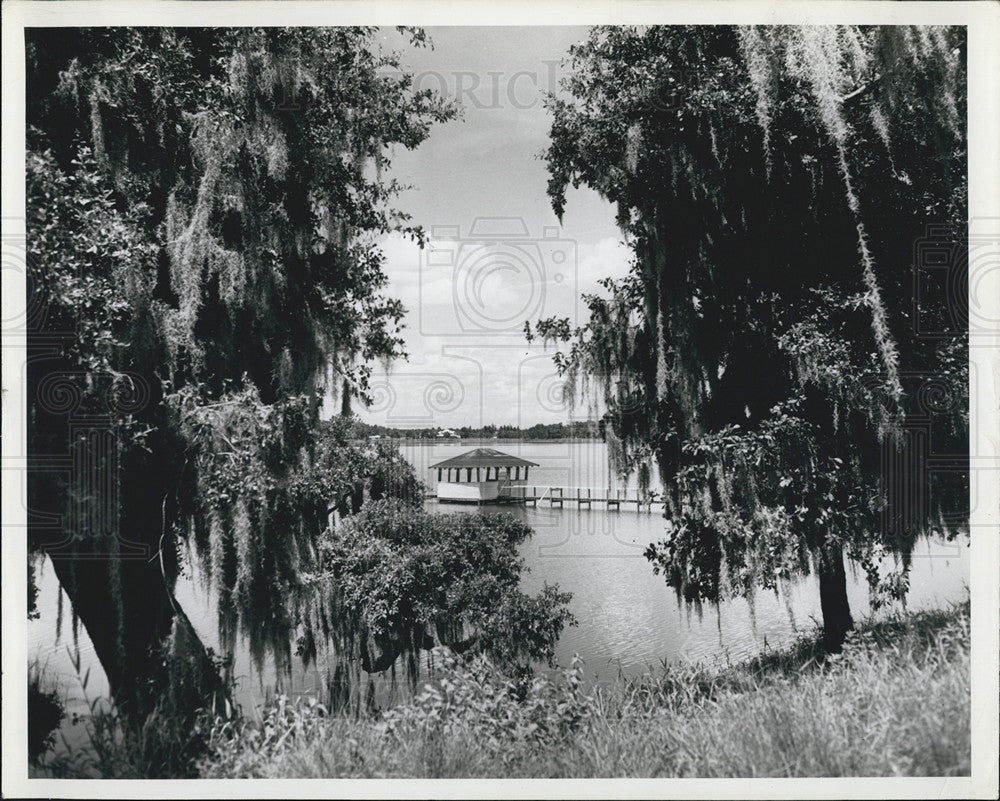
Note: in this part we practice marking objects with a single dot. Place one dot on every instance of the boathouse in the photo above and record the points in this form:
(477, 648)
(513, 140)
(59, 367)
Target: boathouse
(479, 476)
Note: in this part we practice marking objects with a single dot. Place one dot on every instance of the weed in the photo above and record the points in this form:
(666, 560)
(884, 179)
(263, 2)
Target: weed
(896, 701)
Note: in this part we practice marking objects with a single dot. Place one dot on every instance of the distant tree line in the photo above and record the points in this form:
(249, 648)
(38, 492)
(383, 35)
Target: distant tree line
(577, 429)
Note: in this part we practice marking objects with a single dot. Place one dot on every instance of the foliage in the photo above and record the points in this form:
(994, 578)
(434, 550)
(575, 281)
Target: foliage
(895, 702)
(203, 206)
(45, 714)
(476, 698)
(775, 186)
(89, 261)
(246, 453)
(393, 580)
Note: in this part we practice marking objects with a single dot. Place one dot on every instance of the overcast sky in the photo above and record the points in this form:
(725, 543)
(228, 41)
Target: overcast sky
(497, 254)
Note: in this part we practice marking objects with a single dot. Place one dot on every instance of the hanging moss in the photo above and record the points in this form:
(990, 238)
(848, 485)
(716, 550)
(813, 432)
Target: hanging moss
(203, 215)
(772, 225)
(838, 63)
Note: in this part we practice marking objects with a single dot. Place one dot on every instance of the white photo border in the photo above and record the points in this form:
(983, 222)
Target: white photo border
(983, 23)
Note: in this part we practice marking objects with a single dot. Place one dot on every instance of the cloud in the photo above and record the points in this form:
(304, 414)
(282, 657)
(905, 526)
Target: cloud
(469, 362)
(469, 292)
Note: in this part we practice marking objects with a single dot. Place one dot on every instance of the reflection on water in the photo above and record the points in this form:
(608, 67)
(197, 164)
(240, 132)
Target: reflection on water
(628, 618)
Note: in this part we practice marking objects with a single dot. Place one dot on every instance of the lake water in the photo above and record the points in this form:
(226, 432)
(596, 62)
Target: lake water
(629, 619)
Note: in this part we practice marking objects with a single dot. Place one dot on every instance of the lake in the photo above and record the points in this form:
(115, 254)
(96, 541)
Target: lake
(629, 620)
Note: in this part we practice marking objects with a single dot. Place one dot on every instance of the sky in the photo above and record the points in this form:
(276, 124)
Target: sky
(496, 253)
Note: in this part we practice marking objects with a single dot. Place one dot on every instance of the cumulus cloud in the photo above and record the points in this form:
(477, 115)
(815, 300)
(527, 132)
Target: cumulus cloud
(467, 299)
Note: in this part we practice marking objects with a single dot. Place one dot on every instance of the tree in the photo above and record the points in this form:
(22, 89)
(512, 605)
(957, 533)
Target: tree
(202, 209)
(394, 580)
(774, 186)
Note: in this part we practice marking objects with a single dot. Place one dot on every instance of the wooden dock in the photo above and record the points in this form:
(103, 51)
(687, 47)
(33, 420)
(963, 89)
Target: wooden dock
(581, 496)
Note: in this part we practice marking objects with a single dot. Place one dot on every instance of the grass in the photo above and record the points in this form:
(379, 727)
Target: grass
(163, 745)
(45, 713)
(895, 702)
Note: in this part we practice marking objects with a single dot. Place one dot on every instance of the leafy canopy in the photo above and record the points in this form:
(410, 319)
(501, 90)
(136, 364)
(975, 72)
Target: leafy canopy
(774, 185)
(395, 579)
(203, 211)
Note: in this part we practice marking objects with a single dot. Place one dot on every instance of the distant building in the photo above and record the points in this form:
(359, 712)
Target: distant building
(447, 433)
(479, 476)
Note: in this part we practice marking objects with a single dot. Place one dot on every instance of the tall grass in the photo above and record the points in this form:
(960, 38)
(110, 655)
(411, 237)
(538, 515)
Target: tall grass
(896, 701)
(46, 711)
(164, 745)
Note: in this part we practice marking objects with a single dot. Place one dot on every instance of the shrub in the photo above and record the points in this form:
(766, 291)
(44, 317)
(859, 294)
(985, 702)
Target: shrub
(393, 580)
(894, 702)
(45, 714)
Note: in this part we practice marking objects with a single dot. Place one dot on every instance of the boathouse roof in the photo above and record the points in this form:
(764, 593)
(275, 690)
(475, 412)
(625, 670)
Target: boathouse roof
(484, 457)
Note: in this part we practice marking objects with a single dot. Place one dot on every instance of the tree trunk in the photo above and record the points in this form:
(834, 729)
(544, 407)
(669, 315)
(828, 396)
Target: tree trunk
(833, 600)
(144, 641)
(100, 521)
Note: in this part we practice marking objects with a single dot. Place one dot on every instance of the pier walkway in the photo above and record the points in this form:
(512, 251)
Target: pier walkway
(581, 496)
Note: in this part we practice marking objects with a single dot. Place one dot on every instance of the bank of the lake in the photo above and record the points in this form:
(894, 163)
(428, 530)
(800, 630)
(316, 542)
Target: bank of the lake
(629, 620)
(896, 702)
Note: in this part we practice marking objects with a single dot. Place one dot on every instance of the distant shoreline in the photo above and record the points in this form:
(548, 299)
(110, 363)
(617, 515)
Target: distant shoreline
(480, 441)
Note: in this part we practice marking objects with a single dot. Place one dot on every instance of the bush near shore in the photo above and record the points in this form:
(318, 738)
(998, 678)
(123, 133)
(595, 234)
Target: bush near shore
(894, 702)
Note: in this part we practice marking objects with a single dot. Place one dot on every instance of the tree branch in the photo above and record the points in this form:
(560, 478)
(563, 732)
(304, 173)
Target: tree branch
(861, 91)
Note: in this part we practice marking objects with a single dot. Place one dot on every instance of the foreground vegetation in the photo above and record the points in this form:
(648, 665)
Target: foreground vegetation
(894, 702)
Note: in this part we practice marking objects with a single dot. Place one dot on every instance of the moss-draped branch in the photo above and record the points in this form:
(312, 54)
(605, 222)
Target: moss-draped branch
(774, 184)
